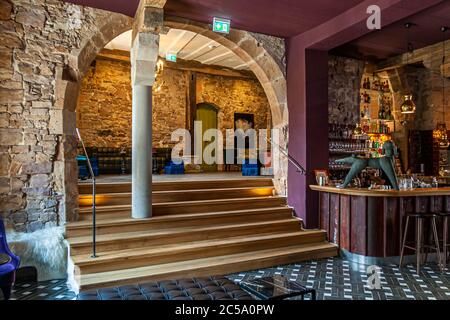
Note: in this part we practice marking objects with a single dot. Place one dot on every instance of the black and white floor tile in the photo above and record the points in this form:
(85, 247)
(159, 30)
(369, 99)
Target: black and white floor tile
(339, 279)
(333, 278)
(45, 290)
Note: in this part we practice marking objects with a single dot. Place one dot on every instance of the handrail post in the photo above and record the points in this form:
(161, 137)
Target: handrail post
(91, 172)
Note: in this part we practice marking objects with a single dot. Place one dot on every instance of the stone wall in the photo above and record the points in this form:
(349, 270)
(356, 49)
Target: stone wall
(424, 81)
(37, 38)
(428, 95)
(46, 47)
(233, 95)
(104, 106)
(344, 82)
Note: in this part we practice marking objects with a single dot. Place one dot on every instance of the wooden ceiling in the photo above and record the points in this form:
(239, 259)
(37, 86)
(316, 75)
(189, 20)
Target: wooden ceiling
(188, 46)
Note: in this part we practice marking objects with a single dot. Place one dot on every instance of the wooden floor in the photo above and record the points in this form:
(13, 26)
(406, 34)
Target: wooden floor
(198, 228)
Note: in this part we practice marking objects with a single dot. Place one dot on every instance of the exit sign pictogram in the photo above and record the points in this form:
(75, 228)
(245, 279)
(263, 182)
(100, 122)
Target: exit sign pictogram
(171, 56)
(221, 25)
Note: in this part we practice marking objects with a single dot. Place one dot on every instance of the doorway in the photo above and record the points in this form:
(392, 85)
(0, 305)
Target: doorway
(207, 114)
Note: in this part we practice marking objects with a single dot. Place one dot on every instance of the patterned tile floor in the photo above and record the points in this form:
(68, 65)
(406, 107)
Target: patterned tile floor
(334, 279)
(339, 279)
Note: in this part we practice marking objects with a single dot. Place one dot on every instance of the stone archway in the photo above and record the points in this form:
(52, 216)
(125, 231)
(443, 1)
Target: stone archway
(269, 73)
(266, 69)
(68, 84)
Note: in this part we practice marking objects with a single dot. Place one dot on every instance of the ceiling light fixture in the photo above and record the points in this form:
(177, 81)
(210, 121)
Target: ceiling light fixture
(408, 106)
(441, 128)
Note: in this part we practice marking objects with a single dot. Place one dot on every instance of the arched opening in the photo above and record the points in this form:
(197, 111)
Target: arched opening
(267, 72)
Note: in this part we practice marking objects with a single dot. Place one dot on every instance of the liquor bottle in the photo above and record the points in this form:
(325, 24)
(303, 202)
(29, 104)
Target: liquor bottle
(381, 112)
(389, 114)
(366, 112)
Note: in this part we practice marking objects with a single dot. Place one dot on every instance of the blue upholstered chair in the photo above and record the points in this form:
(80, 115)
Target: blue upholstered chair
(8, 270)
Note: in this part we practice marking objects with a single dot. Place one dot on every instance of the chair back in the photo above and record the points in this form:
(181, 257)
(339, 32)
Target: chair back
(4, 245)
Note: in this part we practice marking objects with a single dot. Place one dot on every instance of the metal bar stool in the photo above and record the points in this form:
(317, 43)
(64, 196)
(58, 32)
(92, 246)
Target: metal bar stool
(420, 217)
(445, 244)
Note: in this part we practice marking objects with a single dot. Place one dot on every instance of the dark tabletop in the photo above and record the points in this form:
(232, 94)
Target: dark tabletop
(274, 287)
(4, 258)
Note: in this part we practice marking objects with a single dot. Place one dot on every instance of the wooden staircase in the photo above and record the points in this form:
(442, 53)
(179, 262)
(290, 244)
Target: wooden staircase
(198, 228)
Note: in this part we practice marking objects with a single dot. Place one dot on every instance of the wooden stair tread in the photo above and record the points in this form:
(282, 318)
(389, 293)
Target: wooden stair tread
(189, 267)
(141, 252)
(184, 203)
(173, 231)
(174, 217)
(181, 191)
(85, 188)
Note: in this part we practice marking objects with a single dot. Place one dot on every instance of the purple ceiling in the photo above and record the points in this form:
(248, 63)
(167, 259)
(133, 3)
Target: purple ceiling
(391, 40)
(283, 18)
(286, 18)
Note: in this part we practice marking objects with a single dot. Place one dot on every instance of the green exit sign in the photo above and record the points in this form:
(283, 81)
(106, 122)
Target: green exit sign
(221, 25)
(171, 56)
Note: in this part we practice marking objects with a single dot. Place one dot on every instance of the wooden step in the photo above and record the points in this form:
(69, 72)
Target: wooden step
(101, 188)
(133, 258)
(220, 265)
(152, 238)
(109, 199)
(105, 212)
(200, 206)
(114, 225)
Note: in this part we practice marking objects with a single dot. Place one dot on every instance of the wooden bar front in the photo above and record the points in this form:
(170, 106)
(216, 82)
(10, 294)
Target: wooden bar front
(370, 222)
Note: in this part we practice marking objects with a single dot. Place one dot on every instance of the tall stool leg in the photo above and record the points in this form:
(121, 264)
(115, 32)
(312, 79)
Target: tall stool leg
(445, 235)
(403, 242)
(436, 240)
(418, 243)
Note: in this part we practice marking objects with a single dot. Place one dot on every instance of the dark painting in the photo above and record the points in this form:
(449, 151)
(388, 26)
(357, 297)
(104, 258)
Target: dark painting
(244, 121)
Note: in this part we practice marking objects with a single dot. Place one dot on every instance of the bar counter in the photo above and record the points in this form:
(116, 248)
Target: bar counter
(370, 223)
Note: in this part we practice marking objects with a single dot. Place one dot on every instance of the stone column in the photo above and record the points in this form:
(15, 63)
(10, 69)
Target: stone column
(144, 55)
(142, 152)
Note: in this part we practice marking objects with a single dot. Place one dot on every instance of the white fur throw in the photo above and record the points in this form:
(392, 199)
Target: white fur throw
(44, 249)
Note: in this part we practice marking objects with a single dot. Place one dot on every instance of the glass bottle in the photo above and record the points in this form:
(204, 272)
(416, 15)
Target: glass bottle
(434, 183)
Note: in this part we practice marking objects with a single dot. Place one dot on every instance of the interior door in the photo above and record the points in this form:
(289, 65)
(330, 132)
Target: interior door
(207, 114)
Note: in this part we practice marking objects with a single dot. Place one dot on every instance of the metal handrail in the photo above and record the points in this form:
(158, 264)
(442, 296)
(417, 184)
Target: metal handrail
(291, 159)
(91, 172)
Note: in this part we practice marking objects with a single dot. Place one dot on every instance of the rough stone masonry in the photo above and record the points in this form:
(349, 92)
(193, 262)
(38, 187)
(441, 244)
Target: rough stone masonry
(46, 47)
(37, 38)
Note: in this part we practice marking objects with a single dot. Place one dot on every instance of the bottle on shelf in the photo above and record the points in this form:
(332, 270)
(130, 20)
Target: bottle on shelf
(381, 112)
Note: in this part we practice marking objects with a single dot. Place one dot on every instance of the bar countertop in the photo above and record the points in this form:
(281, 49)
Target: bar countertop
(421, 192)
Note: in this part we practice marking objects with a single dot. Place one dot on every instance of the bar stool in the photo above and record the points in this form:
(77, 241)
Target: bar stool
(445, 216)
(420, 217)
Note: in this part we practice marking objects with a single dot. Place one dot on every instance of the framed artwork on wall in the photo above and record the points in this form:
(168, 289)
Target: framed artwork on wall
(244, 121)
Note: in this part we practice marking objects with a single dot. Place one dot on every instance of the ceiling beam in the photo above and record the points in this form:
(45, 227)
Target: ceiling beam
(185, 65)
(430, 56)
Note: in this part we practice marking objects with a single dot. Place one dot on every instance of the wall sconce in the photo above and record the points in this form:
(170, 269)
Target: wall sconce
(159, 67)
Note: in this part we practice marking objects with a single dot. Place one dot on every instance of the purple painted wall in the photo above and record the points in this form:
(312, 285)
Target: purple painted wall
(307, 80)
